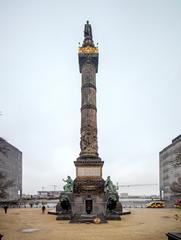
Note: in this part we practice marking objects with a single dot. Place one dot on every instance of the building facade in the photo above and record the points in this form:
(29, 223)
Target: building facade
(170, 170)
(11, 168)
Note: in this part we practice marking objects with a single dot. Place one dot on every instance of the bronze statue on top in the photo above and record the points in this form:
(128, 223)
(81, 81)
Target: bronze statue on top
(88, 31)
(88, 39)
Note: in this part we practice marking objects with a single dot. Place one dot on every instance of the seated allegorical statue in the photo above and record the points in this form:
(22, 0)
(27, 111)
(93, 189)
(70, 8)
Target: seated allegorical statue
(109, 186)
(68, 187)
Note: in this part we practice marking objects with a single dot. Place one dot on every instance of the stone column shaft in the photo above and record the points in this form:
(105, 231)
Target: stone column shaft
(88, 141)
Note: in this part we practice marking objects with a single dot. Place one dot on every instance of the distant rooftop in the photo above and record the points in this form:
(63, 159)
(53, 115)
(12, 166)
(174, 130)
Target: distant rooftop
(174, 141)
(177, 138)
(2, 140)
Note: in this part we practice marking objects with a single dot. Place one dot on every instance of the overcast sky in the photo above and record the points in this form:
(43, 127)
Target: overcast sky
(138, 86)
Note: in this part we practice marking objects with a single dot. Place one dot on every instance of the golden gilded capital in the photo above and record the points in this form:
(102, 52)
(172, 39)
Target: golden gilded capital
(88, 50)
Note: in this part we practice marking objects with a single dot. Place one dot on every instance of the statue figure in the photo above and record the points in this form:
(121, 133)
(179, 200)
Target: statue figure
(111, 196)
(88, 31)
(68, 187)
(109, 186)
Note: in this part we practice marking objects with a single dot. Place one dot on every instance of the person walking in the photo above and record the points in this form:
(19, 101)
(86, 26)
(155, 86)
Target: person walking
(5, 209)
(43, 209)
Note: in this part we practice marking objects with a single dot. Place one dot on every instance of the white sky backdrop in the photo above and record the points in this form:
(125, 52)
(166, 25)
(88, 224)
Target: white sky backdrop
(138, 83)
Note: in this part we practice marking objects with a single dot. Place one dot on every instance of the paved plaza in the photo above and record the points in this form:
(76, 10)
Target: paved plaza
(22, 224)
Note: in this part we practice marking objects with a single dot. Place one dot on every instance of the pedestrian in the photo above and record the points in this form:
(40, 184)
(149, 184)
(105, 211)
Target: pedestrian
(43, 209)
(5, 209)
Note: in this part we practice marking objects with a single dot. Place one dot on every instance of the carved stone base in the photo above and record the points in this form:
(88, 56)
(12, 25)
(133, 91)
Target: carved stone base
(88, 159)
(91, 204)
(88, 186)
(88, 206)
(88, 167)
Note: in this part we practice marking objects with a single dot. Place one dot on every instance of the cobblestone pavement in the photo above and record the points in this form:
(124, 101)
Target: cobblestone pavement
(147, 224)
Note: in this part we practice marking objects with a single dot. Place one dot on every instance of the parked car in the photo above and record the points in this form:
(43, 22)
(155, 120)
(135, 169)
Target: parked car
(155, 204)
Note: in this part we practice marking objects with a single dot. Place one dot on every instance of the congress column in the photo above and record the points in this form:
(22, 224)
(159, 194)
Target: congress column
(88, 189)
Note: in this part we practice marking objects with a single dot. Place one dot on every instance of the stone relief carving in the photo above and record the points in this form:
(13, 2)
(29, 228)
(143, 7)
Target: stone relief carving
(88, 141)
(89, 185)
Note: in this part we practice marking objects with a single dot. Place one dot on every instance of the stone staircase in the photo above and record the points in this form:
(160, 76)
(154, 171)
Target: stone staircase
(87, 218)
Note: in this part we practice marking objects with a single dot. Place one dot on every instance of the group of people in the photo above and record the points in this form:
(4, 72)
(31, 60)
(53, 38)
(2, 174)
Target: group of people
(6, 209)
